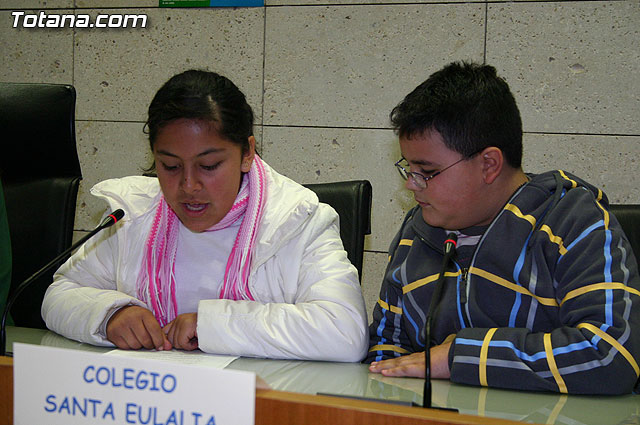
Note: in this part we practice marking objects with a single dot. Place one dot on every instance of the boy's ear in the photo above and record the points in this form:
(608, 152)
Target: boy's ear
(492, 163)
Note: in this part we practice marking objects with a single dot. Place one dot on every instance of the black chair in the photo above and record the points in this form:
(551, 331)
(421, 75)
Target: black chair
(40, 173)
(352, 202)
(629, 218)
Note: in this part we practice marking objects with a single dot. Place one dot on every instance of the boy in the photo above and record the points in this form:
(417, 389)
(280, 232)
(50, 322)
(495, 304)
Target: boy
(542, 293)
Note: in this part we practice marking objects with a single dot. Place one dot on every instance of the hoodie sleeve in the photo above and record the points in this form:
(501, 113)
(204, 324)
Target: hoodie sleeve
(315, 309)
(387, 336)
(84, 292)
(573, 314)
(99, 278)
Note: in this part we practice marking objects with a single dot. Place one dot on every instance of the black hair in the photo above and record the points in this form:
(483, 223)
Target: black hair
(469, 106)
(202, 95)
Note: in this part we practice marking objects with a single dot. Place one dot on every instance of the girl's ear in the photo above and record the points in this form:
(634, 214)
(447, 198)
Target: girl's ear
(247, 157)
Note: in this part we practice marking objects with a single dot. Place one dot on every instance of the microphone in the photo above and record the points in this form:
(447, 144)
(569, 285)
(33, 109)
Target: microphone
(108, 221)
(449, 249)
(450, 244)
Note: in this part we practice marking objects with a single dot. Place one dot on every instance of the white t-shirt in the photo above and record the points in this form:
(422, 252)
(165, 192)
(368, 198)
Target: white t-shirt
(201, 260)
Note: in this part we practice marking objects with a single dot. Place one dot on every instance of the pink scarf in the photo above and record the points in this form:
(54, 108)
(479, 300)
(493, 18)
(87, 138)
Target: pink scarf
(156, 284)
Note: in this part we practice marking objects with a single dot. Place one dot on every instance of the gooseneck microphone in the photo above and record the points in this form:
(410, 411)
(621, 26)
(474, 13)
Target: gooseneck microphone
(108, 221)
(449, 250)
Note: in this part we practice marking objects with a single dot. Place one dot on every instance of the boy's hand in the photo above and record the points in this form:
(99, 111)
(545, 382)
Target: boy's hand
(413, 364)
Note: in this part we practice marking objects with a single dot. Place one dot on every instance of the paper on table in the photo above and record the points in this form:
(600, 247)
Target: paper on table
(196, 357)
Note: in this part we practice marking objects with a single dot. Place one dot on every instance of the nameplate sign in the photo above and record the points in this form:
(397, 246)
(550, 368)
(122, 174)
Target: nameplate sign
(67, 387)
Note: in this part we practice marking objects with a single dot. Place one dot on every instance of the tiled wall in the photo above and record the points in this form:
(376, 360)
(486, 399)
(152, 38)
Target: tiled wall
(323, 75)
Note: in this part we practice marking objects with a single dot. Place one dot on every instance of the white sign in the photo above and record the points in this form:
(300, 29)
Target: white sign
(67, 387)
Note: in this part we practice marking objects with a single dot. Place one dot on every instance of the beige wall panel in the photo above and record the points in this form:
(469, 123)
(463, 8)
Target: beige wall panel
(106, 150)
(257, 134)
(35, 55)
(350, 65)
(573, 65)
(319, 155)
(375, 264)
(118, 71)
(612, 163)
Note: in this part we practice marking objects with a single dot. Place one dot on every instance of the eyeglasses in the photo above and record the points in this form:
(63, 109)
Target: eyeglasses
(420, 180)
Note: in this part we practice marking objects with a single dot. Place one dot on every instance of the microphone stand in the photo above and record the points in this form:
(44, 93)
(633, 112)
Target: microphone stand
(449, 250)
(109, 221)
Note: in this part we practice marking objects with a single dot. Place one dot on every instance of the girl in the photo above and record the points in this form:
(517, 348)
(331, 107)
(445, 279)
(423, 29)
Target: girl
(219, 253)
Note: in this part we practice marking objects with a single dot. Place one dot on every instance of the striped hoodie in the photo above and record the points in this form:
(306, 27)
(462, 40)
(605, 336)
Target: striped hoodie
(550, 301)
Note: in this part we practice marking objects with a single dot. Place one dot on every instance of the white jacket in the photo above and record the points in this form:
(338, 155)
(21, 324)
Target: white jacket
(309, 304)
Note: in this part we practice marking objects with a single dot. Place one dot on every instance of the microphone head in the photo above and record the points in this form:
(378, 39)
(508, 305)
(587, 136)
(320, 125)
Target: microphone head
(117, 214)
(452, 238)
(112, 219)
(450, 243)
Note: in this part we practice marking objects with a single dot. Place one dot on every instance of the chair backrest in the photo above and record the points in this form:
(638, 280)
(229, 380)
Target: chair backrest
(629, 218)
(352, 202)
(40, 173)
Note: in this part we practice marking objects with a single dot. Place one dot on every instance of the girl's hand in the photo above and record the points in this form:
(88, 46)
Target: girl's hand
(133, 327)
(182, 332)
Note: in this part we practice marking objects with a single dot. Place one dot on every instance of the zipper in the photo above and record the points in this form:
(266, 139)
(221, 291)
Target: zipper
(464, 274)
(463, 297)
(463, 286)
